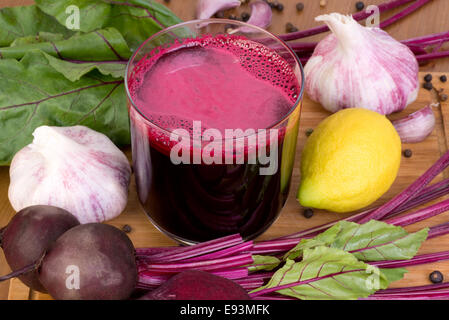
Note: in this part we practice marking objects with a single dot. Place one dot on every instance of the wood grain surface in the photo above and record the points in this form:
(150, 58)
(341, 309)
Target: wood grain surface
(430, 19)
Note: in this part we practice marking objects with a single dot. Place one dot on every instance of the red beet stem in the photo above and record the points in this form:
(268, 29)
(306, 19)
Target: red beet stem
(417, 260)
(196, 250)
(422, 289)
(241, 247)
(425, 198)
(413, 7)
(274, 298)
(433, 55)
(410, 192)
(274, 246)
(233, 274)
(358, 16)
(206, 265)
(19, 272)
(152, 251)
(420, 215)
(149, 280)
(249, 284)
(429, 295)
(432, 38)
(1, 235)
(438, 231)
(415, 44)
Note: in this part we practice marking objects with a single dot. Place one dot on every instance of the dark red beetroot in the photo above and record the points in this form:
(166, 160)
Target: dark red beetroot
(104, 257)
(28, 235)
(197, 285)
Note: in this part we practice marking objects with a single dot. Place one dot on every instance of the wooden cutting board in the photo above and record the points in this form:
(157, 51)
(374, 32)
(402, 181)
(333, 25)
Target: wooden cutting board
(291, 220)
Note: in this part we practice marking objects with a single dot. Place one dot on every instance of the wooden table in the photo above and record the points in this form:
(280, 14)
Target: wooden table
(430, 19)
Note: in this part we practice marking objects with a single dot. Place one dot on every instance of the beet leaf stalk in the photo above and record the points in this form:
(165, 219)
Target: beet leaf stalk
(358, 16)
(420, 215)
(206, 265)
(418, 260)
(430, 295)
(150, 280)
(413, 7)
(413, 43)
(19, 272)
(422, 289)
(183, 253)
(432, 56)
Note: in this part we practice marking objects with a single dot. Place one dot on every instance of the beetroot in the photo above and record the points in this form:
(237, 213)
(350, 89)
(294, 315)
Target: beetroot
(90, 262)
(28, 235)
(197, 285)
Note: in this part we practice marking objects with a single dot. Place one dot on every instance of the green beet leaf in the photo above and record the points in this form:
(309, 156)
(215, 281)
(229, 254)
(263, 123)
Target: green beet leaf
(20, 22)
(137, 20)
(100, 45)
(33, 93)
(39, 38)
(325, 238)
(372, 241)
(74, 71)
(376, 241)
(326, 274)
(263, 263)
(140, 20)
(92, 14)
(394, 274)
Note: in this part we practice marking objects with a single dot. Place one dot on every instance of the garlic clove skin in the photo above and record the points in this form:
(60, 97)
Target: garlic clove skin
(207, 8)
(361, 67)
(417, 126)
(261, 16)
(74, 168)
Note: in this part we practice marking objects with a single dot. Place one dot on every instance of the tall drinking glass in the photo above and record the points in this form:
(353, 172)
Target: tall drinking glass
(214, 108)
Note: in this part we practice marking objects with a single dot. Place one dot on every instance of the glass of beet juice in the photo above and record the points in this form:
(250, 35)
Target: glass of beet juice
(214, 107)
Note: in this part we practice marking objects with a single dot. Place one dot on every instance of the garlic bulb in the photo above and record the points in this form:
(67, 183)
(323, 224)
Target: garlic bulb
(361, 67)
(74, 168)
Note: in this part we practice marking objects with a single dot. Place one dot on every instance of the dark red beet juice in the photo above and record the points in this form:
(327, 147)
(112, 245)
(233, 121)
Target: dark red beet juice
(207, 88)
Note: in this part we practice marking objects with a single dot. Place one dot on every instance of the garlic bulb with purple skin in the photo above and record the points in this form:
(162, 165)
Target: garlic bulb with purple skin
(74, 168)
(361, 67)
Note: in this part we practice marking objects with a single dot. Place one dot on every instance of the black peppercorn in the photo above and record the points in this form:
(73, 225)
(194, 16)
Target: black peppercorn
(279, 7)
(428, 78)
(428, 86)
(126, 228)
(289, 27)
(245, 16)
(408, 153)
(300, 6)
(308, 213)
(443, 78)
(309, 132)
(443, 97)
(436, 277)
(359, 6)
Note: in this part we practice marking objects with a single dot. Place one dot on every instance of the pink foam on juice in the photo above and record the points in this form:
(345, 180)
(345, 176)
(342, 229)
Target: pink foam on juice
(226, 82)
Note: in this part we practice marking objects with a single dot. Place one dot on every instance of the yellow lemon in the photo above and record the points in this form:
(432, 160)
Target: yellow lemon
(351, 159)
